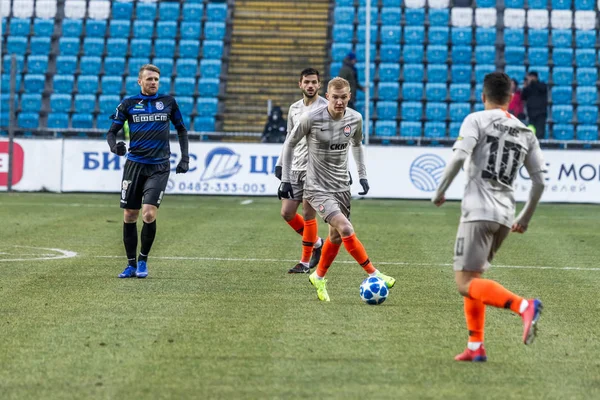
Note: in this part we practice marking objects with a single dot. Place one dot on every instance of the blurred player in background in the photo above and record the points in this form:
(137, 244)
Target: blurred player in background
(306, 224)
(329, 130)
(146, 172)
(497, 144)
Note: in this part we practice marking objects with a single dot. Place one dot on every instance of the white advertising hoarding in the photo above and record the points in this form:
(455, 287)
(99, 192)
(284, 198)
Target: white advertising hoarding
(36, 165)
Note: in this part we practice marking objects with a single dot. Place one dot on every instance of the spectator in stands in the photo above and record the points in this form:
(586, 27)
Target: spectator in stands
(276, 127)
(535, 95)
(350, 73)
(516, 104)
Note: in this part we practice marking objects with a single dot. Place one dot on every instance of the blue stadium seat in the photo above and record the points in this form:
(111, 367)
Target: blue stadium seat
(390, 16)
(414, 34)
(460, 74)
(538, 4)
(438, 35)
(562, 114)
(39, 45)
(435, 111)
(587, 114)
(389, 53)
(361, 54)
(20, 27)
(214, 30)
(7, 61)
(414, 16)
(167, 29)
(587, 76)
(387, 3)
(58, 120)
(385, 128)
(585, 57)
(585, 39)
(537, 37)
(584, 5)
(135, 64)
(207, 106)
(587, 132)
(436, 54)
(412, 54)
(131, 86)
(360, 107)
(164, 48)
(587, 95)
(68, 46)
(140, 47)
(388, 91)
(216, 12)
(562, 76)
(28, 120)
(122, 10)
(189, 48)
(186, 67)
(562, 95)
(114, 65)
(437, 73)
(4, 120)
(412, 111)
(362, 15)
(413, 73)
(210, 68)
(145, 11)
(459, 111)
(439, 17)
(60, 102)
(512, 4)
(343, 15)
(168, 11)
(514, 55)
(482, 70)
(204, 124)
(212, 49)
(478, 107)
(460, 92)
(165, 85)
(436, 92)
(514, 37)
(562, 37)
(103, 121)
(454, 130)
(95, 28)
(434, 130)
(66, 64)
(538, 55)
(90, 65)
(116, 47)
(34, 83)
(389, 72)
(143, 29)
(190, 30)
(486, 3)
(461, 36)
(485, 36)
(6, 83)
(410, 129)
(461, 54)
(563, 132)
(37, 64)
(542, 70)
(387, 110)
(361, 34)
(561, 4)
(72, 27)
(31, 102)
(390, 34)
(87, 84)
(334, 68)
(165, 65)
(119, 28)
(485, 54)
(192, 12)
(343, 33)
(82, 121)
(340, 50)
(361, 94)
(185, 86)
(107, 103)
(84, 103)
(63, 83)
(93, 46)
(186, 104)
(412, 91)
(515, 72)
(562, 57)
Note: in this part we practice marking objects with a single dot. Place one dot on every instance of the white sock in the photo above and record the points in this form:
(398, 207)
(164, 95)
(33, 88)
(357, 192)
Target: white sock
(318, 277)
(474, 345)
(304, 263)
(318, 243)
(523, 307)
(374, 273)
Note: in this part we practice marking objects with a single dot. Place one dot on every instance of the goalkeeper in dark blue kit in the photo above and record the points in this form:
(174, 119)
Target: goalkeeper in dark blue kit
(146, 173)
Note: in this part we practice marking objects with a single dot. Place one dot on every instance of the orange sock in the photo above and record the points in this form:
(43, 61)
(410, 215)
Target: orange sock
(475, 315)
(297, 223)
(328, 254)
(358, 252)
(309, 237)
(492, 293)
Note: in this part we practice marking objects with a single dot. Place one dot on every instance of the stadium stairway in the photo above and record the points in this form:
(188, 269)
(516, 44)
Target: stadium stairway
(271, 42)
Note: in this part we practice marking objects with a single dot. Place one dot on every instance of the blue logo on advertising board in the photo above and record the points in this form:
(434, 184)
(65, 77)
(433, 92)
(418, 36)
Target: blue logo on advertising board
(426, 171)
(221, 163)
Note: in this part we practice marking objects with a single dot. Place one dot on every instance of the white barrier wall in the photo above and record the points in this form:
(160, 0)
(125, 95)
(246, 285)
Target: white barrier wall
(37, 165)
(248, 170)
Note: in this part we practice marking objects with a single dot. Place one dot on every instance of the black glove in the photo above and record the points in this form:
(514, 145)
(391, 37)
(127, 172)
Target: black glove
(119, 149)
(350, 177)
(183, 166)
(365, 185)
(285, 191)
(278, 171)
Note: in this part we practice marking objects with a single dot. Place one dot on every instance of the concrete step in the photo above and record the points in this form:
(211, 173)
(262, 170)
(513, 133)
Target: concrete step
(287, 32)
(260, 59)
(307, 43)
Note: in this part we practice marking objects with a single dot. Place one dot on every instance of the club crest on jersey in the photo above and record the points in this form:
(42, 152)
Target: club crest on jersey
(160, 106)
(347, 130)
(321, 208)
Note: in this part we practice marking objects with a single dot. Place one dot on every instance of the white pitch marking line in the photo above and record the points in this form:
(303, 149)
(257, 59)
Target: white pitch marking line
(275, 260)
(246, 202)
(62, 254)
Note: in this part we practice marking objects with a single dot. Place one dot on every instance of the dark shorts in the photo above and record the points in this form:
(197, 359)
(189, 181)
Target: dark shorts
(143, 183)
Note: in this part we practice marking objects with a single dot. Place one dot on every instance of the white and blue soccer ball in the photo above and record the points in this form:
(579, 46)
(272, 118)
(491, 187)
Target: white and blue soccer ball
(373, 290)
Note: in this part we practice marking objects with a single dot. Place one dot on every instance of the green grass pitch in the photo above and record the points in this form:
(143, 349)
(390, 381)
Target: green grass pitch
(219, 318)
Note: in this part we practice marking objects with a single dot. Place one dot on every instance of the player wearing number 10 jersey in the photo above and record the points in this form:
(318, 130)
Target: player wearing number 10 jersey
(498, 144)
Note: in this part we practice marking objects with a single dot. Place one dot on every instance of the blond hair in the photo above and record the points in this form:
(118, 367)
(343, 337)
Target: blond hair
(148, 67)
(338, 83)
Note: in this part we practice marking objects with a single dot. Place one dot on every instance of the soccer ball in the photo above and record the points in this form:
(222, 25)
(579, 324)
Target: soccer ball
(373, 290)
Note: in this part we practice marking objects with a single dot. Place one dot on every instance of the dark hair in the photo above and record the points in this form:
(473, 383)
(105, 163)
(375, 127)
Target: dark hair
(533, 73)
(309, 71)
(496, 87)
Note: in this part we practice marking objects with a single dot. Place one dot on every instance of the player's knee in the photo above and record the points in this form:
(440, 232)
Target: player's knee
(149, 215)
(346, 229)
(130, 216)
(462, 285)
(287, 214)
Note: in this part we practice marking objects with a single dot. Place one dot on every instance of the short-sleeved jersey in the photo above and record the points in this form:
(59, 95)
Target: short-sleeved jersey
(327, 142)
(300, 151)
(498, 145)
(149, 119)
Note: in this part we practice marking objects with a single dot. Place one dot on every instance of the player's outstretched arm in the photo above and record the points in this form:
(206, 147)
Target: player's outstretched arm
(454, 165)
